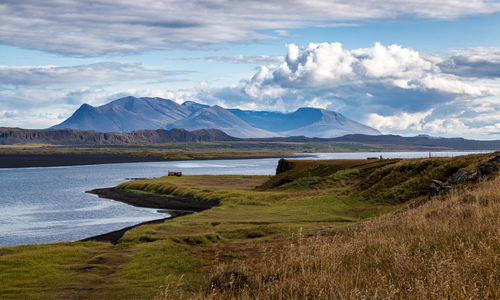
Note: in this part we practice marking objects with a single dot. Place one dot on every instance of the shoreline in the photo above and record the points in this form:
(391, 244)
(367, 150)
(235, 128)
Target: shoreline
(43, 160)
(14, 161)
(114, 236)
(173, 205)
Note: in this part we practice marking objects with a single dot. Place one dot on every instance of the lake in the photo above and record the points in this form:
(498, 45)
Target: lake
(43, 205)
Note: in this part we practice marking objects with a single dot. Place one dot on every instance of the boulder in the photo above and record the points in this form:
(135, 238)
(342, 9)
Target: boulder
(438, 187)
(284, 165)
(462, 176)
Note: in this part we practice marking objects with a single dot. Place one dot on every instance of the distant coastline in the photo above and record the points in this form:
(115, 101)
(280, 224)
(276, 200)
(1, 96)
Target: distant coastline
(29, 160)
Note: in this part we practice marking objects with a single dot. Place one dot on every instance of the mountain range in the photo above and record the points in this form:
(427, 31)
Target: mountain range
(131, 113)
(9, 136)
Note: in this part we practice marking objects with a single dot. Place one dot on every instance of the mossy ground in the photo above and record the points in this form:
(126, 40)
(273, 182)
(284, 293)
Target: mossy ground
(256, 213)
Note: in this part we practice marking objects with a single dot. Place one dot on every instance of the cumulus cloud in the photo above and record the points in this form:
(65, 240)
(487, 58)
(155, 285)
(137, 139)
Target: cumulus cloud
(103, 72)
(464, 122)
(116, 27)
(327, 65)
(401, 122)
(381, 78)
(392, 88)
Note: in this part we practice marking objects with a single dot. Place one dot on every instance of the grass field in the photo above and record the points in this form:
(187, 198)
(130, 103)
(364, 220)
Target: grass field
(322, 229)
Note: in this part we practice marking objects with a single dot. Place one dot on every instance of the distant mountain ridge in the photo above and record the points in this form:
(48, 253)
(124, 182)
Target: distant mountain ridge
(130, 113)
(10, 136)
(392, 142)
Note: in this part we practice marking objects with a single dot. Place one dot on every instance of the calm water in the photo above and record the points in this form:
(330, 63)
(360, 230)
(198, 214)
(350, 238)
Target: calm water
(41, 205)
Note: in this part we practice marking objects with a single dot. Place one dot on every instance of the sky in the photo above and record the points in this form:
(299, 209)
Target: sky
(404, 67)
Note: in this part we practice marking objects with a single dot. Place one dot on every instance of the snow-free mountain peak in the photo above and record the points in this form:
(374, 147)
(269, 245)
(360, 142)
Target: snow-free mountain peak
(131, 113)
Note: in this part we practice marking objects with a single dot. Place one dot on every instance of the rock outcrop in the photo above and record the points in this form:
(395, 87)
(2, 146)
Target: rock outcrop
(463, 176)
(284, 165)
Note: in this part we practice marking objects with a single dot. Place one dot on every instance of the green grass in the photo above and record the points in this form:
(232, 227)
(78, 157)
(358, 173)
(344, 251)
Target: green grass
(314, 196)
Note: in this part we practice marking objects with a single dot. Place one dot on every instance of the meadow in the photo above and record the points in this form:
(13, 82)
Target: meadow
(318, 229)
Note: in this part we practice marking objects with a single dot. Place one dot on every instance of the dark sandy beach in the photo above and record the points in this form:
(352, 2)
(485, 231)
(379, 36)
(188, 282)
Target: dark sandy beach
(175, 206)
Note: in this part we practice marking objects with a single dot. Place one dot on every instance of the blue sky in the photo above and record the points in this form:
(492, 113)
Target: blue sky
(404, 67)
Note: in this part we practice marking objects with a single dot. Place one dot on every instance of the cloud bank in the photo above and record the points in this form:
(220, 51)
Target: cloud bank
(27, 93)
(392, 88)
(118, 27)
(103, 72)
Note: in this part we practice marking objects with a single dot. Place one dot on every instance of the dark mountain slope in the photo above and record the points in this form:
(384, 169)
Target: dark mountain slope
(384, 142)
(78, 137)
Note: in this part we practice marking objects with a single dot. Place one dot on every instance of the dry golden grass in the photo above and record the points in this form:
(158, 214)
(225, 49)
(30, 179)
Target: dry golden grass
(447, 248)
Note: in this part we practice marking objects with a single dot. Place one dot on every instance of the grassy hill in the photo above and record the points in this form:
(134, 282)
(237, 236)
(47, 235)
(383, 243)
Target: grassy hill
(318, 229)
(447, 248)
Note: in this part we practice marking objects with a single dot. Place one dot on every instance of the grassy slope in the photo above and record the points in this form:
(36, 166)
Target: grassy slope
(448, 248)
(257, 213)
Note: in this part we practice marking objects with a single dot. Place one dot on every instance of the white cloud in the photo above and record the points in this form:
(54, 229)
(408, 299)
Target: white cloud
(123, 26)
(31, 120)
(436, 125)
(103, 72)
(329, 65)
(400, 122)
(458, 128)
(392, 61)
(470, 118)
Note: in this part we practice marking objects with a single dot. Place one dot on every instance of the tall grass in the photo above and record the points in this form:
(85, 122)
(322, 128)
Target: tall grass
(446, 248)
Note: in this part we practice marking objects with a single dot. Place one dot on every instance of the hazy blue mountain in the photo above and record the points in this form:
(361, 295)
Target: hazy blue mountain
(307, 121)
(130, 113)
(193, 106)
(127, 114)
(331, 124)
(277, 121)
(222, 119)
